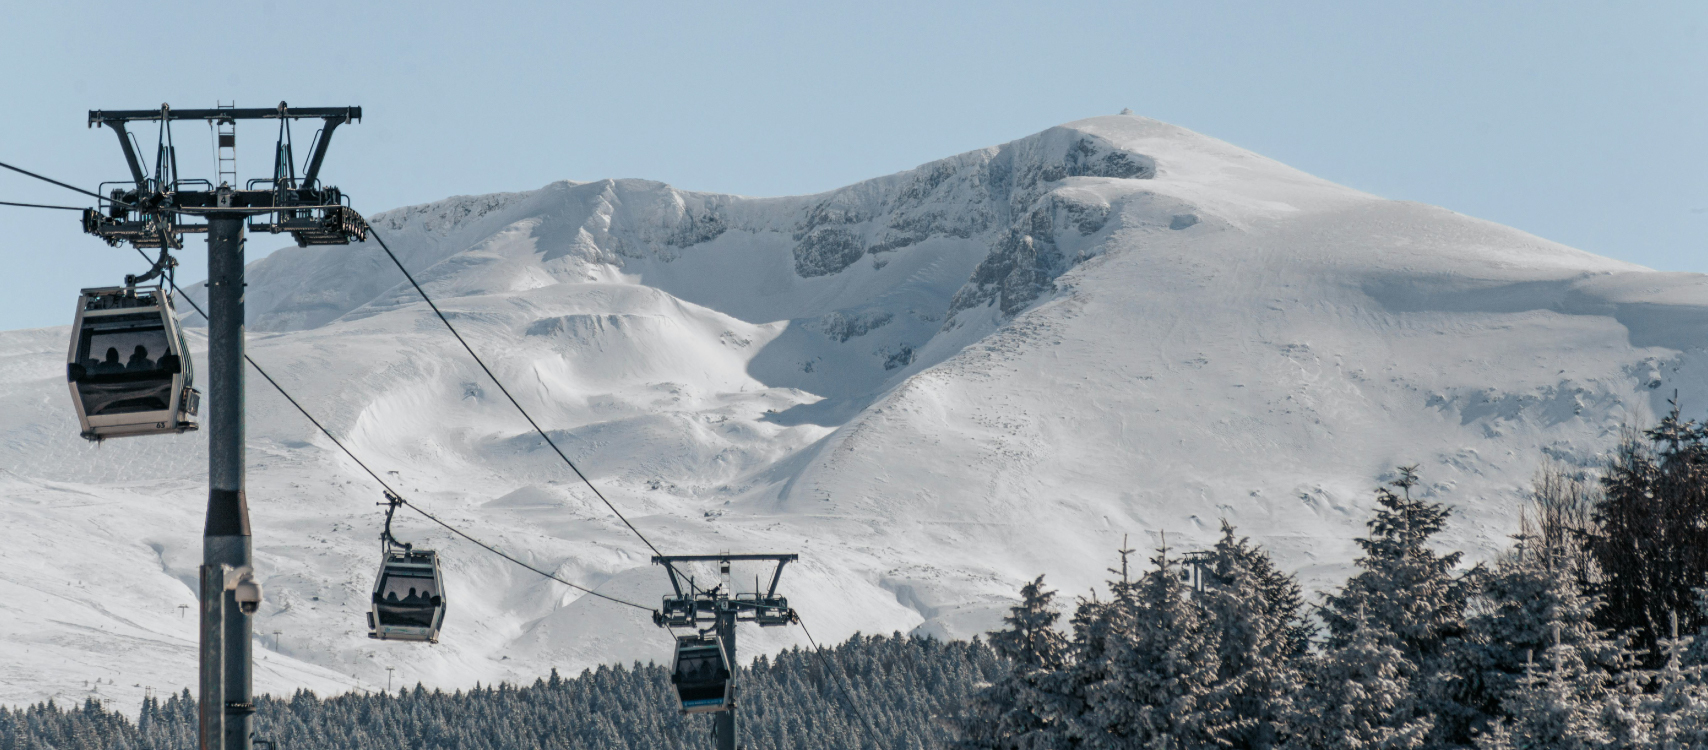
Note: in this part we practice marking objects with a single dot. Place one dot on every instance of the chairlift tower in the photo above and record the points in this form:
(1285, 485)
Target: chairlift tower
(720, 608)
(155, 211)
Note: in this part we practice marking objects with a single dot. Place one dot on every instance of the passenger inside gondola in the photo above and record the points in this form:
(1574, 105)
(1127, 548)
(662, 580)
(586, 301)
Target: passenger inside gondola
(700, 666)
(414, 608)
(112, 363)
(412, 598)
(139, 360)
(700, 677)
(114, 386)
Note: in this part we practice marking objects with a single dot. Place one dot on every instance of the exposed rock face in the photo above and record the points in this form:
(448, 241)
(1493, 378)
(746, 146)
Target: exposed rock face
(1087, 158)
(695, 228)
(1024, 264)
(841, 326)
(962, 197)
(1016, 198)
(990, 228)
(827, 250)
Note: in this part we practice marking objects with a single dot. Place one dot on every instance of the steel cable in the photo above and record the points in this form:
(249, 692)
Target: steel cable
(97, 196)
(825, 661)
(823, 657)
(346, 449)
(387, 487)
(376, 477)
(506, 391)
(547, 438)
(42, 205)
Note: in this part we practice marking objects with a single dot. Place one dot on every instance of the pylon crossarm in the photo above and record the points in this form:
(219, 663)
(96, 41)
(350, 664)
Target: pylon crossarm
(118, 116)
(147, 213)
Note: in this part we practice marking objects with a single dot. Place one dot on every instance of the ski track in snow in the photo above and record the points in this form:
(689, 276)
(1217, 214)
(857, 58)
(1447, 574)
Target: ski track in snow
(933, 385)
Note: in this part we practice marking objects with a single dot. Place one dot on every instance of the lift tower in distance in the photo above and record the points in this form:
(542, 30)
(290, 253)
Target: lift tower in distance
(156, 211)
(722, 608)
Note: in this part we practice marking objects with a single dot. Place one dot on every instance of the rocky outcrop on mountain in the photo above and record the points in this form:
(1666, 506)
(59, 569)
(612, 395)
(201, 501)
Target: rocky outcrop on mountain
(968, 195)
(1010, 198)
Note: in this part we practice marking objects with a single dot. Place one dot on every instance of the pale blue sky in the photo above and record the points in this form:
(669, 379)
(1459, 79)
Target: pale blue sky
(1582, 122)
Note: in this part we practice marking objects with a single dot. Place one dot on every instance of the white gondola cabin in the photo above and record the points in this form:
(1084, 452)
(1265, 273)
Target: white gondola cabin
(702, 674)
(409, 601)
(128, 367)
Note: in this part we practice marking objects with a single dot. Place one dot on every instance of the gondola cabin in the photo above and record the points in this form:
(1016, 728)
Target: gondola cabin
(409, 601)
(702, 674)
(128, 367)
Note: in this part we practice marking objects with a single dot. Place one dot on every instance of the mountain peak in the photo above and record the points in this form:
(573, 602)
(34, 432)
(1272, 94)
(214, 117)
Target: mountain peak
(934, 385)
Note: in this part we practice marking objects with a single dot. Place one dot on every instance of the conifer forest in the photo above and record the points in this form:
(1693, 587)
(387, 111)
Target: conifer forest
(1590, 631)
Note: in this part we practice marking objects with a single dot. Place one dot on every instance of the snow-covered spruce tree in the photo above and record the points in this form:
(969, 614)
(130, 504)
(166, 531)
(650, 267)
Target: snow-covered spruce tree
(1531, 604)
(1261, 640)
(1358, 695)
(1016, 711)
(1621, 713)
(1674, 712)
(1416, 600)
(1549, 710)
(1651, 541)
(1150, 680)
(1091, 626)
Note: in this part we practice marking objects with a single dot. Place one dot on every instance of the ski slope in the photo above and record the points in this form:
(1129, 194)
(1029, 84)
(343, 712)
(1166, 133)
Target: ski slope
(932, 385)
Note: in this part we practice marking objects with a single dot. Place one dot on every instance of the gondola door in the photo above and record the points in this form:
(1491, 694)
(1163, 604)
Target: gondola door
(128, 369)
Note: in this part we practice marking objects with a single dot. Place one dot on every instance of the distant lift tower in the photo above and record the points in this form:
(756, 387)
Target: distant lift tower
(156, 211)
(704, 667)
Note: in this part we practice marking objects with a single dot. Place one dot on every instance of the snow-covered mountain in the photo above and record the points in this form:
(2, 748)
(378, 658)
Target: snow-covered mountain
(932, 385)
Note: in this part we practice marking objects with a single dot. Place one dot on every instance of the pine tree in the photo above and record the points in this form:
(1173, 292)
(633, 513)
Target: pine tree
(1413, 595)
(1358, 695)
(1531, 603)
(1651, 541)
(1015, 712)
(1031, 640)
(1151, 684)
(621, 708)
(1675, 711)
(1253, 609)
(1549, 708)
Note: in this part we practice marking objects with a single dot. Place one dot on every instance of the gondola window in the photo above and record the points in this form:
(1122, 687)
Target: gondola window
(127, 366)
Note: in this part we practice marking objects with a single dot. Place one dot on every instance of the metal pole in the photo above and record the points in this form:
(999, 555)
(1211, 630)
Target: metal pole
(724, 723)
(210, 708)
(226, 538)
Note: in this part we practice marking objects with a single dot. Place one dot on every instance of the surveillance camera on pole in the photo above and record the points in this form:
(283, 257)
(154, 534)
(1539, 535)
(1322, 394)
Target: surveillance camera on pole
(244, 588)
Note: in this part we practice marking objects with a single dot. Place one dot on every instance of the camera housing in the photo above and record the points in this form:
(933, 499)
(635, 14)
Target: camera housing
(245, 589)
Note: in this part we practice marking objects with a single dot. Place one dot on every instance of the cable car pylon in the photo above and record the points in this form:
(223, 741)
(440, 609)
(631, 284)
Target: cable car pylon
(703, 670)
(149, 211)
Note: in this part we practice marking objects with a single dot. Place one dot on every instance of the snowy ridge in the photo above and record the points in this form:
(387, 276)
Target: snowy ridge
(933, 385)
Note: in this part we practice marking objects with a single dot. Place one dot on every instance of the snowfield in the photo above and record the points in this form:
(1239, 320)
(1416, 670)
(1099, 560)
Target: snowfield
(932, 385)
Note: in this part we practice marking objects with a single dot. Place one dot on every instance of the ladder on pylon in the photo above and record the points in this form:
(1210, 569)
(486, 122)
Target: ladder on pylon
(225, 146)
